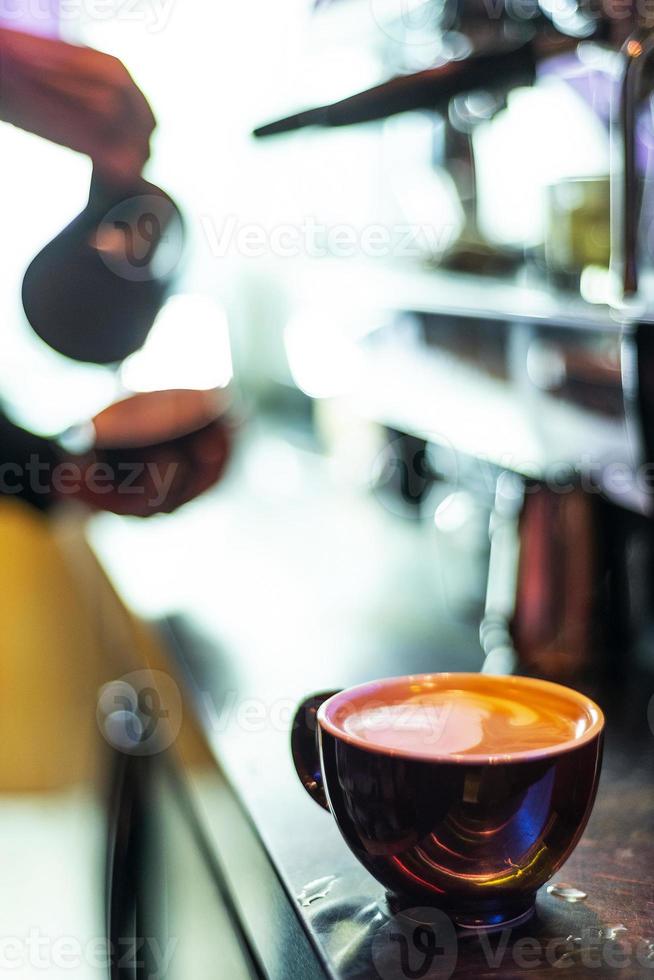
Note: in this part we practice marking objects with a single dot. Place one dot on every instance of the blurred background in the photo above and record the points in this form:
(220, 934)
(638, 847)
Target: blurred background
(438, 384)
(302, 249)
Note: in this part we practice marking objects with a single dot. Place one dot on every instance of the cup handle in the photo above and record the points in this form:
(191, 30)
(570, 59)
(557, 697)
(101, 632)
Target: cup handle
(304, 747)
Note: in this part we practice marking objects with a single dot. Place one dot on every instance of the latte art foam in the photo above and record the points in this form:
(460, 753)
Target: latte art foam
(457, 722)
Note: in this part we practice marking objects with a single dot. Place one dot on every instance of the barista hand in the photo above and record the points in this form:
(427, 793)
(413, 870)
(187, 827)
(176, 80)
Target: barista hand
(155, 452)
(77, 97)
(155, 479)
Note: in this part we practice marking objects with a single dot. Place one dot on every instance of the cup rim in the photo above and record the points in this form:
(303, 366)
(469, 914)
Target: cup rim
(482, 758)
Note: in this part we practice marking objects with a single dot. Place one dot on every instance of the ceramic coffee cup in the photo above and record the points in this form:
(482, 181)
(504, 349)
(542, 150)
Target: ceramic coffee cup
(431, 809)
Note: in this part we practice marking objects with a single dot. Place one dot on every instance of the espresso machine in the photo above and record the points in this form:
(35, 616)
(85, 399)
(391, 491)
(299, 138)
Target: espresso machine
(496, 359)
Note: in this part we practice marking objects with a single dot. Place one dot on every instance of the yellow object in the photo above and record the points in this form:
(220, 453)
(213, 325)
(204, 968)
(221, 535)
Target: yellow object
(63, 634)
